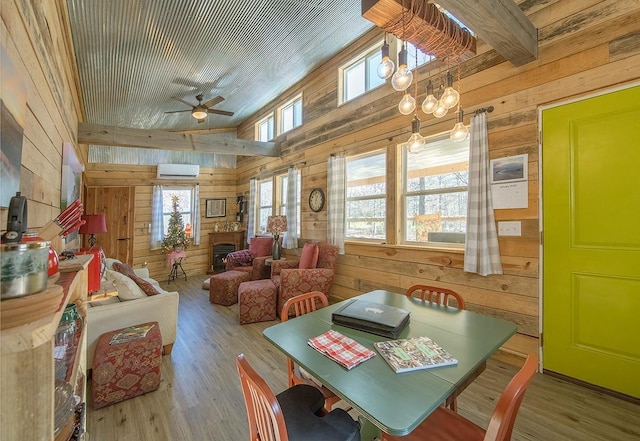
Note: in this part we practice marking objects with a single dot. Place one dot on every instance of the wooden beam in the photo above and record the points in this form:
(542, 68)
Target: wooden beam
(165, 140)
(501, 24)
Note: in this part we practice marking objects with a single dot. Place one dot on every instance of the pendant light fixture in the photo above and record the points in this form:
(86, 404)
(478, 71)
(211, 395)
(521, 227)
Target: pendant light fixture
(386, 66)
(440, 109)
(450, 97)
(407, 104)
(459, 131)
(403, 77)
(430, 102)
(415, 143)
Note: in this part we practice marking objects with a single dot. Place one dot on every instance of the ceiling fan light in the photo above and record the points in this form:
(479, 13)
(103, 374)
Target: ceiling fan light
(199, 114)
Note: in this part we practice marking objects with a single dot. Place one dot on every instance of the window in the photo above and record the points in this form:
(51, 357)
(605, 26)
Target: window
(271, 202)
(185, 203)
(264, 129)
(360, 75)
(435, 192)
(265, 204)
(414, 60)
(366, 195)
(290, 114)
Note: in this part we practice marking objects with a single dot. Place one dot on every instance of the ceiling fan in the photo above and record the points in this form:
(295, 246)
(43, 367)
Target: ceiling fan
(201, 110)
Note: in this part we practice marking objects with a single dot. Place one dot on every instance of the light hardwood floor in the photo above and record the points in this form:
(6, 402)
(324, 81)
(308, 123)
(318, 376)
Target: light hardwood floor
(200, 398)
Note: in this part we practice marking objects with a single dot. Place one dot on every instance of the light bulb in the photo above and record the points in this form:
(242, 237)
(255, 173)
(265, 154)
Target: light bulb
(403, 77)
(407, 104)
(429, 104)
(459, 131)
(440, 110)
(415, 143)
(386, 66)
(450, 97)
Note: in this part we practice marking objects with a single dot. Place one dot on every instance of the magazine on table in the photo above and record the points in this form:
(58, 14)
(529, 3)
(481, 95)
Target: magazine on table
(414, 353)
(131, 333)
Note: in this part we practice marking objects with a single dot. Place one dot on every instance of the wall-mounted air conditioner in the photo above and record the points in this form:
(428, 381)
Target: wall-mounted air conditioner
(178, 171)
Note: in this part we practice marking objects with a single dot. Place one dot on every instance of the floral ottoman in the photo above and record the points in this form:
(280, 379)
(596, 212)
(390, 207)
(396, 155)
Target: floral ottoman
(125, 370)
(257, 300)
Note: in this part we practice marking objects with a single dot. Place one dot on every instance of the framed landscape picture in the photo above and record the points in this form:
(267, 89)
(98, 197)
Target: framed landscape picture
(216, 208)
(509, 169)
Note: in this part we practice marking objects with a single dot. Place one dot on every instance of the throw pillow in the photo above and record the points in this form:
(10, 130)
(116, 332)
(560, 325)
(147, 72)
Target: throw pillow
(261, 246)
(240, 258)
(309, 256)
(127, 270)
(127, 288)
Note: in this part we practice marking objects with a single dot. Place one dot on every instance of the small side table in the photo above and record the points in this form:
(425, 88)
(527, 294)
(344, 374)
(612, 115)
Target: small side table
(177, 265)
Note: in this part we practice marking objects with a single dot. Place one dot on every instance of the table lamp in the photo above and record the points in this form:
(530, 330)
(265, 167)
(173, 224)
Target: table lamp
(275, 226)
(94, 224)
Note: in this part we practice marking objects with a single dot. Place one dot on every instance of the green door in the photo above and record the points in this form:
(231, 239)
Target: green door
(591, 247)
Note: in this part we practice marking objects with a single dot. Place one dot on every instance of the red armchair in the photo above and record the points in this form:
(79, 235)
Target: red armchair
(294, 277)
(252, 260)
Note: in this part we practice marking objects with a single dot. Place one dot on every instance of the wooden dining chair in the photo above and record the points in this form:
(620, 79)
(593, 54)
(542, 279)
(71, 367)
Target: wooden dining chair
(296, 414)
(445, 425)
(440, 296)
(436, 295)
(303, 304)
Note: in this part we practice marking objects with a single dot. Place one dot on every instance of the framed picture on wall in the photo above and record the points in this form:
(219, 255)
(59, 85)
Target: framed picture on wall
(216, 208)
(509, 169)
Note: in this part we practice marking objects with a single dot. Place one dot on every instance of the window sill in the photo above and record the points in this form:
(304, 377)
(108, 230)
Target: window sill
(431, 248)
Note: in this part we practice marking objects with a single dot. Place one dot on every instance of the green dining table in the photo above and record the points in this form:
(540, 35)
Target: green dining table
(396, 403)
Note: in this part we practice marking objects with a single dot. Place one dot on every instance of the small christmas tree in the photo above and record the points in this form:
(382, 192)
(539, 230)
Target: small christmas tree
(176, 238)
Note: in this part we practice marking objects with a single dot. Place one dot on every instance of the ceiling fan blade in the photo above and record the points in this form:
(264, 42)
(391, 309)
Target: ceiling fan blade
(213, 101)
(220, 112)
(179, 111)
(182, 101)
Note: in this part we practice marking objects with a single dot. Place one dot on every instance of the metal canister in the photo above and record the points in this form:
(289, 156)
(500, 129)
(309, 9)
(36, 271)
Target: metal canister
(23, 266)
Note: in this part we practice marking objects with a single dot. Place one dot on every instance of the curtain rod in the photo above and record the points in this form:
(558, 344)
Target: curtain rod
(483, 109)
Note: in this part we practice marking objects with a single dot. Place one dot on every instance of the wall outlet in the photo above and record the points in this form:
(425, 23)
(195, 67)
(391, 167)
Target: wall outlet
(510, 228)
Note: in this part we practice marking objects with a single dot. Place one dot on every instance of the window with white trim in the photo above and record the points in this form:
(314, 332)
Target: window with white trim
(264, 129)
(359, 75)
(290, 115)
(366, 196)
(185, 206)
(271, 199)
(434, 192)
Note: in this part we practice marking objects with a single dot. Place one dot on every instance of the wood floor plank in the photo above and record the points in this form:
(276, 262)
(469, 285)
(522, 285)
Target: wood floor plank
(199, 397)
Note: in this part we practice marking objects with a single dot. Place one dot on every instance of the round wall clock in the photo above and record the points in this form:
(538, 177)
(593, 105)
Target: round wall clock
(316, 199)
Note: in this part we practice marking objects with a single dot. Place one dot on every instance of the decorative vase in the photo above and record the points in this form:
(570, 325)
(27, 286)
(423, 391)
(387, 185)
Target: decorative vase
(277, 248)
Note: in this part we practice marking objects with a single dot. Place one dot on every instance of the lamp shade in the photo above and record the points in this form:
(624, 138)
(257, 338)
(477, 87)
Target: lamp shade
(276, 224)
(94, 223)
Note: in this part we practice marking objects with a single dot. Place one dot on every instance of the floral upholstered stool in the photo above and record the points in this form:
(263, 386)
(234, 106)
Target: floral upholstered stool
(223, 287)
(125, 370)
(257, 301)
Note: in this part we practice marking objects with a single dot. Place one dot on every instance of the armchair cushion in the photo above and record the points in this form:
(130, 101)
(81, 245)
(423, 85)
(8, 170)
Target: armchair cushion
(309, 256)
(127, 288)
(128, 271)
(261, 246)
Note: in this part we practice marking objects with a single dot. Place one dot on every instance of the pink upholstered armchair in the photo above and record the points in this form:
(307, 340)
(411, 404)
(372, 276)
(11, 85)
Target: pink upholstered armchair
(313, 272)
(252, 260)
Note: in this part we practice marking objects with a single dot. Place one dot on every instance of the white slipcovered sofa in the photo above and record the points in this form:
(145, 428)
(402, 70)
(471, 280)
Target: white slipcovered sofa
(131, 307)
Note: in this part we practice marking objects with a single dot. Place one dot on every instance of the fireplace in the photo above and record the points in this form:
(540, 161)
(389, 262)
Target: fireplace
(220, 251)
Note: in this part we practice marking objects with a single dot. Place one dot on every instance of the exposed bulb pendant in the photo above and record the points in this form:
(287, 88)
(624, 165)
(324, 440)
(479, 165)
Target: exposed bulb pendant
(415, 143)
(459, 131)
(386, 66)
(450, 96)
(403, 77)
(407, 104)
(440, 109)
(430, 102)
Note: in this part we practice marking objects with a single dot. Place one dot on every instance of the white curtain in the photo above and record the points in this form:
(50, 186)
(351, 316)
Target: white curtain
(481, 252)
(336, 185)
(293, 204)
(195, 215)
(251, 205)
(157, 220)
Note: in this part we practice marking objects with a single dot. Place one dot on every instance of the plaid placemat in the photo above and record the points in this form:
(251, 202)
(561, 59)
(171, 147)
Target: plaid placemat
(340, 348)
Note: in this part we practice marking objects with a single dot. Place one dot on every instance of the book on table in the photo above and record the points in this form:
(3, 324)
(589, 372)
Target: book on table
(414, 353)
(131, 333)
(375, 318)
